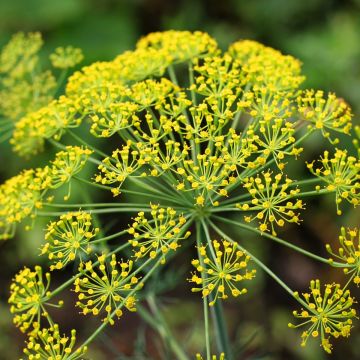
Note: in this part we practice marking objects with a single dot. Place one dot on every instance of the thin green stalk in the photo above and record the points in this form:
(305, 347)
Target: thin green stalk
(83, 142)
(94, 205)
(222, 336)
(60, 81)
(218, 313)
(109, 237)
(278, 240)
(159, 324)
(125, 191)
(96, 211)
(191, 82)
(205, 300)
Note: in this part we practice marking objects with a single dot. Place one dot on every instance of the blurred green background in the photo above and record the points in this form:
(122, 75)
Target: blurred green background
(323, 34)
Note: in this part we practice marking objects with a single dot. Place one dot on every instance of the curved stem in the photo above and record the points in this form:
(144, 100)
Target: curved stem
(218, 313)
(83, 142)
(96, 211)
(205, 301)
(280, 241)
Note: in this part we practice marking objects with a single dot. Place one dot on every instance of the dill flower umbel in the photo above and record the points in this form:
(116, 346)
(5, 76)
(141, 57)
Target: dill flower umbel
(348, 252)
(105, 287)
(341, 174)
(325, 114)
(48, 343)
(64, 58)
(29, 292)
(193, 139)
(219, 274)
(327, 313)
(68, 238)
(159, 235)
(272, 198)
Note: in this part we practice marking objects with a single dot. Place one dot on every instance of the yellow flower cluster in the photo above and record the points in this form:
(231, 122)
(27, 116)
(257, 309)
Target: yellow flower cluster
(159, 235)
(220, 273)
(65, 58)
(263, 66)
(179, 46)
(65, 166)
(341, 174)
(273, 131)
(23, 195)
(327, 313)
(51, 345)
(106, 287)
(325, 114)
(68, 238)
(272, 199)
(22, 87)
(50, 121)
(28, 295)
(348, 253)
(205, 176)
(20, 196)
(123, 163)
(204, 145)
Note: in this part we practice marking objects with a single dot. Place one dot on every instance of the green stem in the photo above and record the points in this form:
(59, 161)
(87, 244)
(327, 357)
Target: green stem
(96, 211)
(110, 237)
(160, 325)
(191, 82)
(205, 301)
(94, 205)
(222, 336)
(276, 239)
(83, 142)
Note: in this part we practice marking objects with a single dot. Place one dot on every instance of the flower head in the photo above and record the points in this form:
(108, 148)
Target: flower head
(68, 238)
(179, 46)
(348, 252)
(48, 343)
(263, 66)
(68, 57)
(106, 287)
(159, 235)
(21, 196)
(328, 313)
(273, 200)
(23, 88)
(325, 114)
(123, 163)
(66, 165)
(341, 174)
(220, 273)
(51, 121)
(28, 297)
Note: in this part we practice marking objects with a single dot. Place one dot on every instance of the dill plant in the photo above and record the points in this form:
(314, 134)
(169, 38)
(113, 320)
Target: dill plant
(197, 134)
